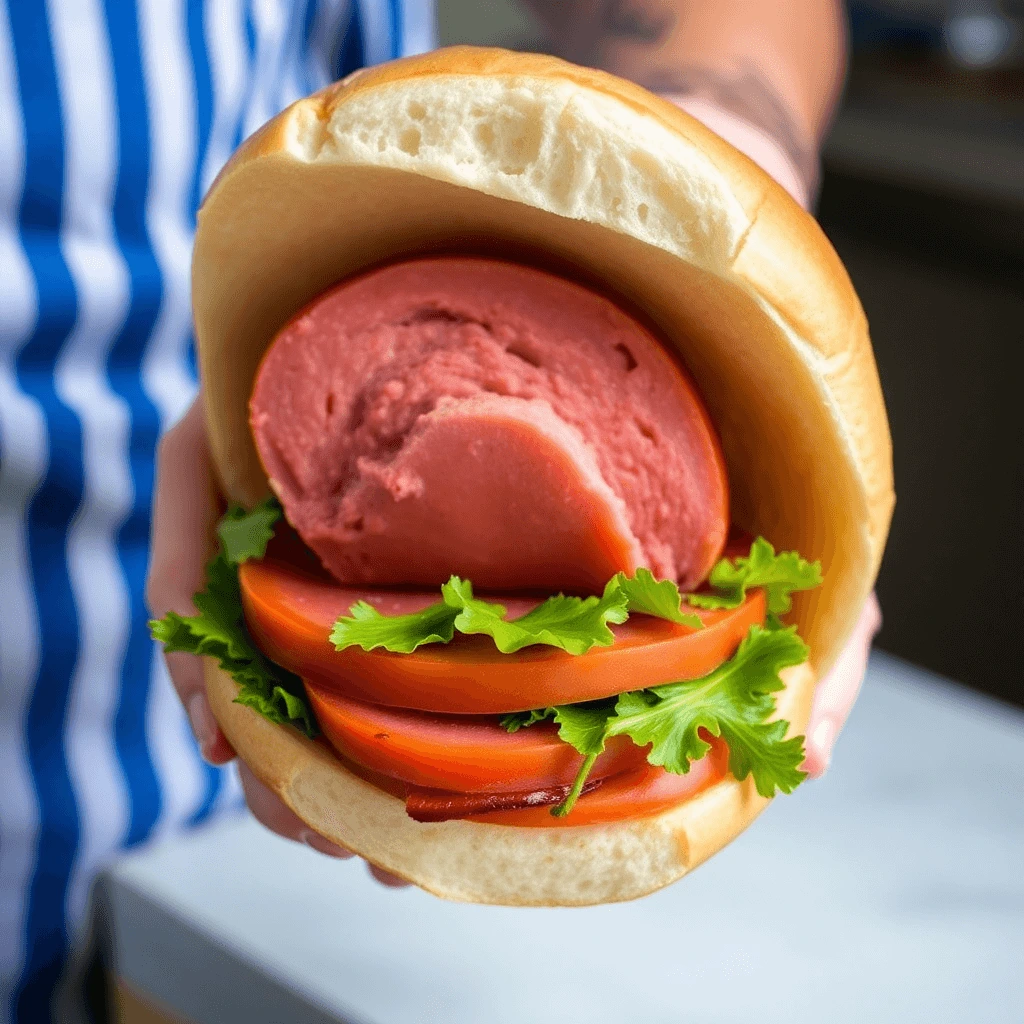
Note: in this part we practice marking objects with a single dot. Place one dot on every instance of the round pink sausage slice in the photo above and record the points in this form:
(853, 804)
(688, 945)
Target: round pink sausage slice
(470, 416)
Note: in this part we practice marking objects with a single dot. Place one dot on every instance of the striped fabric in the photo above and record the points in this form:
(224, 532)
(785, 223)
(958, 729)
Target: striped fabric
(114, 117)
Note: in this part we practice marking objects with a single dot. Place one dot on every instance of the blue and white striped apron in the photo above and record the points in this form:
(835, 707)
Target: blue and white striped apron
(114, 117)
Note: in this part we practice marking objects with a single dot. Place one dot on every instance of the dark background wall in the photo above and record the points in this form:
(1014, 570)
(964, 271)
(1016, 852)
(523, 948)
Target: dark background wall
(945, 300)
(923, 198)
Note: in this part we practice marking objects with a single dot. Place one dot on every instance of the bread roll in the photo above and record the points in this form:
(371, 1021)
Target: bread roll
(528, 157)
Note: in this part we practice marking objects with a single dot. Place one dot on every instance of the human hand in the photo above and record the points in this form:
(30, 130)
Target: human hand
(837, 692)
(184, 519)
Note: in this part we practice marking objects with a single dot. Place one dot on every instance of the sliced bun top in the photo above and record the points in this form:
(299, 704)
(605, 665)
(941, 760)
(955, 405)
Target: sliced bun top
(531, 158)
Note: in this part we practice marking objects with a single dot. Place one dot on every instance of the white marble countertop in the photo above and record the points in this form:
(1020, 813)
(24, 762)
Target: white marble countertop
(893, 890)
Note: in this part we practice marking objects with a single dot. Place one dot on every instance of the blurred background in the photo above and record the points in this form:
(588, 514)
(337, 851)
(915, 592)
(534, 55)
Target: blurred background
(923, 198)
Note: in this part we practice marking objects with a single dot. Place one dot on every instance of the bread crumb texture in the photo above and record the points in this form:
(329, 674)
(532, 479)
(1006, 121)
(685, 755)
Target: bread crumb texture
(545, 142)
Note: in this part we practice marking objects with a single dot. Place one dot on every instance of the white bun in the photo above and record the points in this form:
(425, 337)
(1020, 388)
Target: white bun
(472, 150)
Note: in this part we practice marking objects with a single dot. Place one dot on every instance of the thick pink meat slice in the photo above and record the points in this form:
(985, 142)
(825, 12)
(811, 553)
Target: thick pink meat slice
(462, 415)
(499, 488)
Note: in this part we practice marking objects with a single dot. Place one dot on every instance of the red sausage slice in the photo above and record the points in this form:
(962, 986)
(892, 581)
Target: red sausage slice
(478, 417)
(462, 754)
(638, 793)
(290, 614)
(501, 482)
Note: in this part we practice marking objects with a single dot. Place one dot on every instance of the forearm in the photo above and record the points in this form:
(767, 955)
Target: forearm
(777, 65)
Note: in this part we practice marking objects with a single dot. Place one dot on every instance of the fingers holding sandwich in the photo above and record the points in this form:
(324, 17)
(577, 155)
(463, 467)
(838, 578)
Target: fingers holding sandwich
(184, 514)
(837, 692)
(270, 812)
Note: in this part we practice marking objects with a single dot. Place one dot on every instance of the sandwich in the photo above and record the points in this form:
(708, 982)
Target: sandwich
(556, 472)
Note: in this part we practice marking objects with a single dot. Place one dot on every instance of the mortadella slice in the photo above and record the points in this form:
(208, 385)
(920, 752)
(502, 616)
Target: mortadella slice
(470, 416)
(500, 488)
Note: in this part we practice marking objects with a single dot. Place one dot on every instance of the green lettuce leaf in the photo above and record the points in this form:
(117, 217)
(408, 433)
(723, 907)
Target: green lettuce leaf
(780, 575)
(652, 597)
(734, 701)
(585, 726)
(573, 624)
(516, 720)
(365, 627)
(576, 624)
(244, 535)
(580, 725)
(218, 631)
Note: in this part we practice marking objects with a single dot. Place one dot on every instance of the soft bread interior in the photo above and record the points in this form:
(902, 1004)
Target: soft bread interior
(473, 862)
(482, 151)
